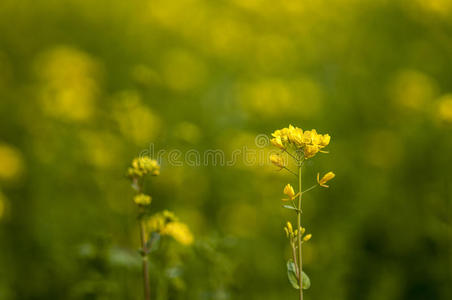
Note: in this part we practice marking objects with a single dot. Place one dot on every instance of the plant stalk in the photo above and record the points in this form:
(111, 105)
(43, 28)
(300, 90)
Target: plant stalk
(144, 255)
(300, 258)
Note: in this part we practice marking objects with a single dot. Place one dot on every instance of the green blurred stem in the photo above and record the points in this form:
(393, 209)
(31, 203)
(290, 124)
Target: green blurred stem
(147, 287)
(144, 248)
(300, 258)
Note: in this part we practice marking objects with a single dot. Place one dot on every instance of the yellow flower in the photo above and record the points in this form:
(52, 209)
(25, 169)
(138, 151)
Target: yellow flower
(327, 177)
(179, 231)
(142, 199)
(289, 191)
(309, 141)
(289, 227)
(144, 165)
(166, 223)
(277, 142)
(310, 150)
(277, 160)
(325, 140)
(307, 237)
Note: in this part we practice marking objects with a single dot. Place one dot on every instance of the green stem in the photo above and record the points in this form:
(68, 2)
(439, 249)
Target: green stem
(147, 288)
(311, 188)
(300, 258)
(144, 249)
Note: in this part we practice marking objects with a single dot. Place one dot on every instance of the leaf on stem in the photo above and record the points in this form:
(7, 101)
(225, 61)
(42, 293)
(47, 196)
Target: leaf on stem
(292, 274)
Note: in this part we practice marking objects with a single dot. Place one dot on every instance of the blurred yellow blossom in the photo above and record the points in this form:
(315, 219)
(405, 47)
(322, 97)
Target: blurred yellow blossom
(307, 237)
(166, 223)
(277, 160)
(444, 111)
(11, 163)
(142, 199)
(144, 165)
(179, 231)
(69, 83)
(136, 121)
(2, 204)
(412, 89)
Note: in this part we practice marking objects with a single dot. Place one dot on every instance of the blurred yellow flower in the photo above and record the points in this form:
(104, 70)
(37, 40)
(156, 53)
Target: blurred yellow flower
(445, 108)
(11, 164)
(307, 237)
(142, 199)
(144, 165)
(277, 160)
(2, 204)
(277, 142)
(68, 83)
(327, 177)
(179, 231)
(166, 223)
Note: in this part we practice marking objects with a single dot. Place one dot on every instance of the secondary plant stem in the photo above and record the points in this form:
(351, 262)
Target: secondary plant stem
(300, 258)
(144, 254)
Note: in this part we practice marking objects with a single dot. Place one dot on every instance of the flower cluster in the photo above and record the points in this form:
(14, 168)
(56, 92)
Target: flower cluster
(309, 141)
(166, 223)
(142, 199)
(143, 165)
(292, 235)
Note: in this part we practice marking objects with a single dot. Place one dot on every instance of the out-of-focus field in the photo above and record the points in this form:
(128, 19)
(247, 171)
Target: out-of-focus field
(87, 85)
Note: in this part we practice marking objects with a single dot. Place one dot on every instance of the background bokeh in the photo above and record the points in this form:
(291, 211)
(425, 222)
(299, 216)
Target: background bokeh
(87, 85)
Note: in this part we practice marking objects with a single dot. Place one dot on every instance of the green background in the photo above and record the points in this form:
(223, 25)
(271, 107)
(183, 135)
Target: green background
(87, 85)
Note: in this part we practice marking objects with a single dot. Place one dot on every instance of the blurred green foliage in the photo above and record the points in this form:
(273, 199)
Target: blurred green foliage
(87, 85)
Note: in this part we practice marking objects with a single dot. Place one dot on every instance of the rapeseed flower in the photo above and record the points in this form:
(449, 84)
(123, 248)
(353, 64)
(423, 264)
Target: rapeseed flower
(289, 191)
(327, 177)
(309, 142)
(144, 165)
(142, 199)
(277, 160)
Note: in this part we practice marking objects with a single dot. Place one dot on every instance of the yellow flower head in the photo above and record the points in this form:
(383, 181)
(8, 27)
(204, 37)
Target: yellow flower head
(327, 177)
(289, 231)
(325, 140)
(307, 237)
(277, 160)
(310, 150)
(179, 231)
(142, 199)
(289, 191)
(309, 141)
(144, 165)
(166, 223)
(277, 142)
(289, 227)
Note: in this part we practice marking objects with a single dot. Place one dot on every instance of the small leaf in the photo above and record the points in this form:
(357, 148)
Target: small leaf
(305, 281)
(292, 274)
(289, 207)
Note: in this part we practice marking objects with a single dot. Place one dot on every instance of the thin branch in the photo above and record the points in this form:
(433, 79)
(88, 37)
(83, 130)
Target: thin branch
(311, 188)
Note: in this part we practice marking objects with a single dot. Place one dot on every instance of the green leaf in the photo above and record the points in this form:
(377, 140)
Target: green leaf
(305, 281)
(292, 274)
(289, 207)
